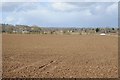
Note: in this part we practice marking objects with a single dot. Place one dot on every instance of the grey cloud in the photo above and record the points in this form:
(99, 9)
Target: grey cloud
(79, 6)
(10, 6)
(17, 6)
(89, 4)
(82, 4)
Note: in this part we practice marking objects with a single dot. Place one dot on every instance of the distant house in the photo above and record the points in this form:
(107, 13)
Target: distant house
(14, 31)
(83, 32)
(25, 31)
(59, 32)
(102, 34)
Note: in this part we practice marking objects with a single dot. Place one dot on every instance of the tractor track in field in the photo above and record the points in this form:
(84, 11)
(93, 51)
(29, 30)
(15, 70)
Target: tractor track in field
(42, 67)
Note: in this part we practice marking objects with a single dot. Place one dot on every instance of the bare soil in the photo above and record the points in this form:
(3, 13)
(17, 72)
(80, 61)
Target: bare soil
(58, 56)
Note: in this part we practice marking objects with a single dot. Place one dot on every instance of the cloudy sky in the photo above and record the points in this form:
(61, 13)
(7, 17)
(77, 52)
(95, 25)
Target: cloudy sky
(61, 14)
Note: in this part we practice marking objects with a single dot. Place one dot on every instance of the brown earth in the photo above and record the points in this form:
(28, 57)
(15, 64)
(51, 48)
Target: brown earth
(57, 56)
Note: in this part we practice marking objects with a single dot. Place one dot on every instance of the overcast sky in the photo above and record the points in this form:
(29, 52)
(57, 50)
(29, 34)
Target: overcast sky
(61, 14)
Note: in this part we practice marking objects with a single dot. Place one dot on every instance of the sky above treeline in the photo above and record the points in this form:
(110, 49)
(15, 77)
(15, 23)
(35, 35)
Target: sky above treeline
(61, 14)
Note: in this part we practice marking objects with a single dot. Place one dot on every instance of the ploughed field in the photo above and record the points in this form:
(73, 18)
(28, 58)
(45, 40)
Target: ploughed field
(58, 56)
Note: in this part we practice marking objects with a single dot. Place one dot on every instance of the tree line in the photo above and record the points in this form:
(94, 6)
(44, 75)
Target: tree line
(25, 29)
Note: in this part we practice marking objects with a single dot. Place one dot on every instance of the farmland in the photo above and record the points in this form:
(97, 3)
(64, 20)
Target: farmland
(58, 56)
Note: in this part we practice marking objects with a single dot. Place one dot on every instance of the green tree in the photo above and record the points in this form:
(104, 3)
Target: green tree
(97, 29)
(113, 29)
